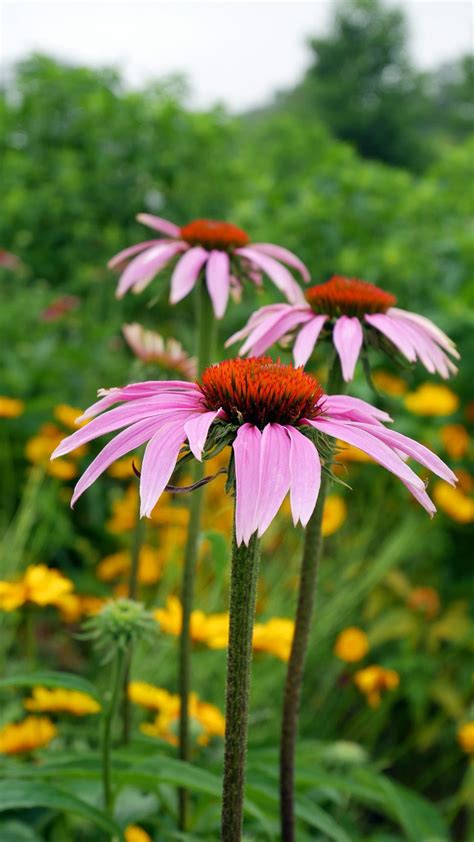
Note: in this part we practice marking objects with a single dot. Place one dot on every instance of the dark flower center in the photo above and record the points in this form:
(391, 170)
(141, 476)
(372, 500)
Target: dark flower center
(214, 235)
(348, 297)
(260, 391)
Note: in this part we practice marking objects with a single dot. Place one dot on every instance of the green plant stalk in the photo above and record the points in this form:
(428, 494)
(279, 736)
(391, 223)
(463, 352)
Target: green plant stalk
(304, 614)
(205, 342)
(108, 720)
(138, 537)
(243, 594)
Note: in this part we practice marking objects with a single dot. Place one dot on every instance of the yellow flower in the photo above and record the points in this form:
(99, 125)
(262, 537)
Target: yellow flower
(61, 701)
(39, 448)
(374, 680)
(348, 453)
(134, 833)
(432, 399)
(389, 383)
(40, 584)
(455, 439)
(466, 737)
(453, 502)
(67, 415)
(148, 696)
(62, 469)
(351, 645)
(334, 514)
(425, 600)
(11, 407)
(274, 637)
(74, 606)
(207, 717)
(211, 629)
(172, 518)
(123, 468)
(33, 732)
(150, 565)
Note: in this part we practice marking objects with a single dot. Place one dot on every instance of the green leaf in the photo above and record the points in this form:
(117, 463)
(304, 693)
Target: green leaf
(23, 795)
(63, 680)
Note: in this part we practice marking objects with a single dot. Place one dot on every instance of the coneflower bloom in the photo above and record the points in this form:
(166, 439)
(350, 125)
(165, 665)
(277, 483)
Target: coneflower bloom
(152, 347)
(275, 416)
(220, 249)
(352, 311)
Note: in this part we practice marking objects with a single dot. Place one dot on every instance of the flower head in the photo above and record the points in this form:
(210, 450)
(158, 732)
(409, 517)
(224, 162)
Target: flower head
(466, 737)
(32, 733)
(11, 407)
(351, 312)
(207, 719)
(432, 399)
(151, 347)
(351, 645)
(118, 623)
(61, 701)
(220, 249)
(40, 585)
(135, 833)
(375, 680)
(278, 421)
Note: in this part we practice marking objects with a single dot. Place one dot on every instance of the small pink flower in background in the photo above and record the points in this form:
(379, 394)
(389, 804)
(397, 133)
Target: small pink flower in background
(225, 252)
(8, 260)
(348, 307)
(151, 347)
(264, 408)
(59, 307)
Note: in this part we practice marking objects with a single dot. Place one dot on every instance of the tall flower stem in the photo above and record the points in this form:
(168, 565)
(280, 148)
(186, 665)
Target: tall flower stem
(243, 592)
(205, 341)
(304, 614)
(138, 537)
(108, 720)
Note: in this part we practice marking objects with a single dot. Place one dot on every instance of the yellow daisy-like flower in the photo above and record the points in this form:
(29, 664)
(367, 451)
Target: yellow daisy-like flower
(203, 628)
(453, 502)
(352, 644)
(40, 585)
(466, 737)
(172, 518)
(61, 701)
(349, 453)
(432, 399)
(32, 733)
(150, 565)
(455, 440)
(39, 448)
(67, 415)
(123, 468)
(11, 407)
(375, 680)
(135, 833)
(389, 383)
(209, 720)
(73, 606)
(274, 637)
(334, 514)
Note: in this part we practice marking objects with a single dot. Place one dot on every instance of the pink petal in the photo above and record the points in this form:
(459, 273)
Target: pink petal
(422, 497)
(348, 338)
(261, 339)
(306, 340)
(197, 429)
(414, 449)
(146, 265)
(395, 332)
(246, 449)
(427, 350)
(305, 472)
(218, 281)
(352, 409)
(428, 326)
(255, 319)
(158, 464)
(286, 256)
(136, 391)
(159, 224)
(119, 258)
(278, 274)
(186, 273)
(274, 474)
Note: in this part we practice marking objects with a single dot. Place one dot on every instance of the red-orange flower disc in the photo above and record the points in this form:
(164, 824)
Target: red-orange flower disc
(260, 391)
(214, 235)
(348, 297)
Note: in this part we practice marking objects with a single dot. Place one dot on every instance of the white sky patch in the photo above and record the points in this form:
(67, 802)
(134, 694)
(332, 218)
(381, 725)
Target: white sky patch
(238, 53)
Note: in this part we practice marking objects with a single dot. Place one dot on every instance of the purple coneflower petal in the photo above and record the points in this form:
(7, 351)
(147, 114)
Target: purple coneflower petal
(274, 474)
(261, 316)
(246, 449)
(286, 256)
(414, 449)
(305, 473)
(136, 391)
(348, 338)
(119, 258)
(159, 224)
(422, 497)
(146, 265)
(306, 340)
(428, 326)
(276, 326)
(197, 430)
(395, 332)
(353, 409)
(218, 281)
(159, 461)
(186, 273)
(280, 276)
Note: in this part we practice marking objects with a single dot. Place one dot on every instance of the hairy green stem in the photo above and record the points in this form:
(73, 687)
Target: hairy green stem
(108, 720)
(138, 537)
(304, 614)
(243, 593)
(205, 340)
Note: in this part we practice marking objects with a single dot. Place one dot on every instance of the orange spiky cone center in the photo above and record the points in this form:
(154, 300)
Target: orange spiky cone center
(214, 235)
(348, 297)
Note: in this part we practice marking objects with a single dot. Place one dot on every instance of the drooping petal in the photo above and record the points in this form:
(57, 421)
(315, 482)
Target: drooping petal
(414, 449)
(431, 329)
(286, 256)
(159, 224)
(197, 429)
(136, 391)
(256, 318)
(422, 497)
(119, 258)
(146, 265)
(352, 409)
(186, 273)
(158, 464)
(274, 474)
(218, 281)
(428, 351)
(394, 332)
(306, 340)
(246, 449)
(266, 334)
(348, 338)
(305, 474)
(280, 276)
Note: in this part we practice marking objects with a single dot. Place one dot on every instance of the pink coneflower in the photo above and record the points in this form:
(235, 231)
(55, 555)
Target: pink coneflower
(352, 311)
(275, 416)
(220, 248)
(151, 347)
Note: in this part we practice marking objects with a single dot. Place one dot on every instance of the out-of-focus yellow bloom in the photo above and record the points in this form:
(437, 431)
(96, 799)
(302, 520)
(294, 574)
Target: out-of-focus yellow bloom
(135, 833)
(147, 695)
(389, 383)
(352, 644)
(62, 469)
(374, 680)
(11, 407)
(425, 600)
(210, 629)
(274, 637)
(150, 565)
(453, 502)
(455, 439)
(74, 606)
(209, 718)
(173, 518)
(40, 584)
(432, 399)
(61, 701)
(334, 514)
(348, 453)
(466, 737)
(39, 448)
(33, 732)
(123, 468)
(67, 415)
(465, 480)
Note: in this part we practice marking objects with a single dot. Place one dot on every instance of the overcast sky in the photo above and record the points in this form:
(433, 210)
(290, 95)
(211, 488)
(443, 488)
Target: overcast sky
(238, 53)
